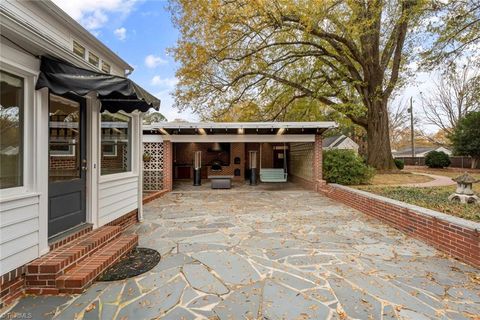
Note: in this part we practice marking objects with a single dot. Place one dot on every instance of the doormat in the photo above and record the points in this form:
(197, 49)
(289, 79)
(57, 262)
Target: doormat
(137, 261)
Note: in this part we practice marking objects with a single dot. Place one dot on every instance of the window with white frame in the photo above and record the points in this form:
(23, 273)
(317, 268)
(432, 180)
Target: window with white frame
(109, 149)
(11, 130)
(62, 147)
(116, 140)
(93, 59)
(78, 49)
(105, 67)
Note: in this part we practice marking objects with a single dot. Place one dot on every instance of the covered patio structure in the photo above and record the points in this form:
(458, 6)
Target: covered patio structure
(196, 156)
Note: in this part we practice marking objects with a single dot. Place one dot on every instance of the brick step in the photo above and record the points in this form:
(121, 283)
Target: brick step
(77, 279)
(69, 235)
(43, 271)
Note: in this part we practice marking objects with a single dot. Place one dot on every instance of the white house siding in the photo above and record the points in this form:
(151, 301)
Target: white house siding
(301, 159)
(24, 210)
(116, 198)
(42, 21)
(119, 194)
(19, 231)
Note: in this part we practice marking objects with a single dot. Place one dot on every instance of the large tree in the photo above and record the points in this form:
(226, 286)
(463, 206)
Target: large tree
(153, 117)
(347, 55)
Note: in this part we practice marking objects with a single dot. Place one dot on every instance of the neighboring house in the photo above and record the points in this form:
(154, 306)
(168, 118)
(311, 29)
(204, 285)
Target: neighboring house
(70, 144)
(420, 152)
(340, 142)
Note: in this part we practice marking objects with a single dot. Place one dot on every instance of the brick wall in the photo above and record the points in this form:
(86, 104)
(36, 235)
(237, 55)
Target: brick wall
(317, 162)
(63, 162)
(300, 163)
(184, 153)
(307, 184)
(237, 150)
(126, 220)
(455, 236)
(118, 162)
(267, 155)
(168, 165)
(12, 285)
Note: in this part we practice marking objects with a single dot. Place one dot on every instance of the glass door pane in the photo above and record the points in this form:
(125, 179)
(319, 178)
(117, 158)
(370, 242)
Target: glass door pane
(64, 139)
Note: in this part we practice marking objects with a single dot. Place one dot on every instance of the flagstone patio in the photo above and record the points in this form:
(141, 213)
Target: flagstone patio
(248, 254)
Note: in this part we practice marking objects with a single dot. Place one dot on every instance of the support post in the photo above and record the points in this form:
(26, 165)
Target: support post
(412, 132)
(168, 165)
(140, 169)
(317, 163)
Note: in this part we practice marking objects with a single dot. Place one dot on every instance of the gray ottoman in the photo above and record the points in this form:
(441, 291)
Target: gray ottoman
(221, 182)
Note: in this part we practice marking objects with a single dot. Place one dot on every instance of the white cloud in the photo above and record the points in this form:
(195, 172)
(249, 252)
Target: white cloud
(94, 14)
(120, 33)
(164, 82)
(169, 111)
(153, 61)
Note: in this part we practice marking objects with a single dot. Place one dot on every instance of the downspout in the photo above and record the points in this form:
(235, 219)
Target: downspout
(140, 167)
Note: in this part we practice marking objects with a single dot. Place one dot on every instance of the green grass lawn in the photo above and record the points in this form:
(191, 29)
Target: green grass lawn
(432, 198)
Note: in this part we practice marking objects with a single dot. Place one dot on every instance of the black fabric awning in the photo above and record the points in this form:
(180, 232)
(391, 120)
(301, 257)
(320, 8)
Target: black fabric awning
(115, 93)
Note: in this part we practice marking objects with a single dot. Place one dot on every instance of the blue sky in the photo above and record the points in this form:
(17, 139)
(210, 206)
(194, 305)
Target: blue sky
(139, 32)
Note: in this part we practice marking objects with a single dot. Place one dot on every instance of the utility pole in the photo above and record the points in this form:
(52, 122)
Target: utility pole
(412, 134)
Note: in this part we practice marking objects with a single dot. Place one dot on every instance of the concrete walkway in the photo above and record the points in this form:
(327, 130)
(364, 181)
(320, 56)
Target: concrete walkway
(274, 255)
(438, 181)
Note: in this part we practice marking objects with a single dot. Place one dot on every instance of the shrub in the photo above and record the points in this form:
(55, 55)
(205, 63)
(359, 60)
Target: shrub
(345, 167)
(437, 159)
(400, 164)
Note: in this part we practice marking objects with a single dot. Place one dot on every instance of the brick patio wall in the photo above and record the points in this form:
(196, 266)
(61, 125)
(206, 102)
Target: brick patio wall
(12, 284)
(126, 220)
(457, 237)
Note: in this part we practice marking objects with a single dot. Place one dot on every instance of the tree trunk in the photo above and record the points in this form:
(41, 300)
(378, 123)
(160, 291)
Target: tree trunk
(378, 142)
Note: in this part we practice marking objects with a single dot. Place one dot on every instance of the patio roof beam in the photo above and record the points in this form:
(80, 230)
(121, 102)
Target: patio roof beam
(240, 138)
(245, 125)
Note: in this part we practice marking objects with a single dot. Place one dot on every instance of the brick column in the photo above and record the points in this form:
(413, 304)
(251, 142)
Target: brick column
(167, 165)
(317, 162)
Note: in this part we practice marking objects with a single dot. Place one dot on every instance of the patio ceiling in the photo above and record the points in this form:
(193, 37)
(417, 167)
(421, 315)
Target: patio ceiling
(238, 131)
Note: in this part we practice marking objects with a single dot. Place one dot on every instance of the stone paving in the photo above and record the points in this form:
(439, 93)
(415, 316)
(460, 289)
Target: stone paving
(274, 255)
(437, 181)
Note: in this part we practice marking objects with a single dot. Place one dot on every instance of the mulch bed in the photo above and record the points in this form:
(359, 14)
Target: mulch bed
(138, 261)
